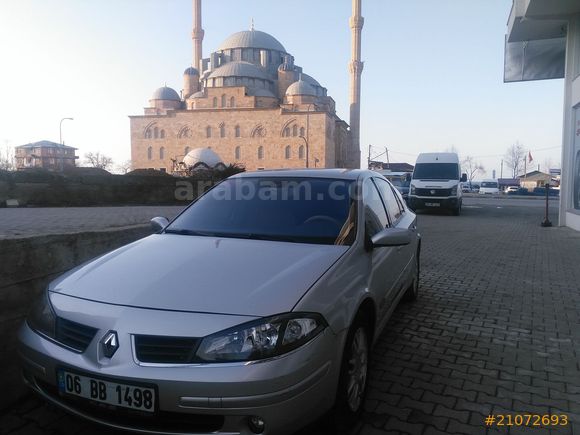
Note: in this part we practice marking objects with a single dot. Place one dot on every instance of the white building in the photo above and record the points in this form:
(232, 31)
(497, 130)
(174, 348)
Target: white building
(543, 42)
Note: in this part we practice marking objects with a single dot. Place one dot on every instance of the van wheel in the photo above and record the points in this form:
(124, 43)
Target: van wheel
(457, 210)
(352, 384)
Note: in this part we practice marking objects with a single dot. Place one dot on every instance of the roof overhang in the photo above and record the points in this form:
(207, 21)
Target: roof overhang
(535, 47)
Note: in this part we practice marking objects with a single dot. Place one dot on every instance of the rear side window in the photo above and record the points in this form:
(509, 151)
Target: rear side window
(375, 215)
(391, 202)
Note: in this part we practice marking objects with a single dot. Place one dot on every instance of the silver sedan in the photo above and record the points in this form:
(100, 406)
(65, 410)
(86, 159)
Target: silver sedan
(252, 312)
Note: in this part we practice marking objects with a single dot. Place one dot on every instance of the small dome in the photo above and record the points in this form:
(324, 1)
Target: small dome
(300, 88)
(191, 71)
(310, 80)
(198, 94)
(239, 69)
(165, 93)
(251, 39)
(202, 155)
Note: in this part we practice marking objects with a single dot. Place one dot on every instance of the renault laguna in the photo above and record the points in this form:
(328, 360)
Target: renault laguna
(253, 312)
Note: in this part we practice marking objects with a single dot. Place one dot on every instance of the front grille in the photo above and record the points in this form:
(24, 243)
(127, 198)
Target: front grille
(436, 192)
(159, 422)
(165, 350)
(74, 334)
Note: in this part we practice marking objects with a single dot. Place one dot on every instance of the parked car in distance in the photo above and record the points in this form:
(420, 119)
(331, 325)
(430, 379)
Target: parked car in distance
(511, 189)
(489, 187)
(253, 311)
(401, 181)
(465, 188)
(435, 182)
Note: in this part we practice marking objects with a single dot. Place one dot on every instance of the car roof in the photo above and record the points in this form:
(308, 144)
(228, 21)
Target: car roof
(343, 174)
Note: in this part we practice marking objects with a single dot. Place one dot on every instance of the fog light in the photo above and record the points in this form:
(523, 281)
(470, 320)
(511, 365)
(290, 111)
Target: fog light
(256, 424)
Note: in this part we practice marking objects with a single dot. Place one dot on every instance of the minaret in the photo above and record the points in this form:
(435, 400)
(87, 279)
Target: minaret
(197, 36)
(356, 68)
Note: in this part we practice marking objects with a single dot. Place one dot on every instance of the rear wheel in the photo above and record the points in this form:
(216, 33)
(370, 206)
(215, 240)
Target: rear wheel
(352, 384)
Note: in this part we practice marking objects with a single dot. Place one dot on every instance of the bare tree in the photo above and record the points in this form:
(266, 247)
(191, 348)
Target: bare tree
(98, 160)
(125, 167)
(514, 158)
(472, 168)
(7, 158)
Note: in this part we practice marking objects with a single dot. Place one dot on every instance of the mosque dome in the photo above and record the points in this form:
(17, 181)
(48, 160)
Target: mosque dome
(310, 80)
(300, 87)
(191, 71)
(202, 155)
(198, 94)
(239, 69)
(165, 93)
(252, 39)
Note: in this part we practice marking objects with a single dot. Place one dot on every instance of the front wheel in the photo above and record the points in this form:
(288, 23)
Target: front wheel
(457, 210)
(352, 384)
(412, 292)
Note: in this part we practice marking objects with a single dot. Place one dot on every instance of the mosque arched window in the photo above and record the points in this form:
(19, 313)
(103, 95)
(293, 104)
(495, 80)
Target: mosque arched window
(223, 101)
(162, 134)
(260, 152)
(301, 131)
(186, 151)
(294, 130)
(301, 152)
(237, 131)
(155, 132)
(148, 134)
(161, 153)
(238, 153)
(287, 152)
(149, 153)
(222, 130)
(286, 132)
(214, 101)
(208, 131)
(232, 102)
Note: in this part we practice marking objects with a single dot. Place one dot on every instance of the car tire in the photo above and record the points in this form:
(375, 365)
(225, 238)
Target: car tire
(457, 210)
(412, 292)
(353, 380)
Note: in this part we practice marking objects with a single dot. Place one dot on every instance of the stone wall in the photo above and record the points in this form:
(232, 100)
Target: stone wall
(27, 265)
(48, 189)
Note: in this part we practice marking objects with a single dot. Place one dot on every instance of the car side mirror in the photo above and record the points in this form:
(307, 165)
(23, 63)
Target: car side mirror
(408, 178)
(463, 178)
(159, 224)
(392, 237)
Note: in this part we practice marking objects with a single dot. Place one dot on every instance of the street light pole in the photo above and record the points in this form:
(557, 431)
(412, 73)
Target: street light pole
(60, 128)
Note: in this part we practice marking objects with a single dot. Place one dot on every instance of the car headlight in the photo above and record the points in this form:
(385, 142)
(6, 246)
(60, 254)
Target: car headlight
(260, 339)
(41, 317)
(454, 190)
(412, 190)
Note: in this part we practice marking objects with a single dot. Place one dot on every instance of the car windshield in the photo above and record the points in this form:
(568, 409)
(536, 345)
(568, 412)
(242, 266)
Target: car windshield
(489, 184)
(436, 171)
(398, 182)
(301, 210)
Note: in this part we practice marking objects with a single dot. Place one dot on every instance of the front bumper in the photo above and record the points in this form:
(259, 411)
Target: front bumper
(199, 398)
(423, 202)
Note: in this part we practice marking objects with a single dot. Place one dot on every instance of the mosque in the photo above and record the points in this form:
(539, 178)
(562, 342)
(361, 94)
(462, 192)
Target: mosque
(248, 104)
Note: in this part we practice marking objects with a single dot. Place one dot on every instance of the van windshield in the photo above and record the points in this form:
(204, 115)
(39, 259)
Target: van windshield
(436, 171)
(491, 184)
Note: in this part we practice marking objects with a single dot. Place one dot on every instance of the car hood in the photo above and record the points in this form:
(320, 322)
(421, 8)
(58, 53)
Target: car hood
(434, 184)
(202, 274)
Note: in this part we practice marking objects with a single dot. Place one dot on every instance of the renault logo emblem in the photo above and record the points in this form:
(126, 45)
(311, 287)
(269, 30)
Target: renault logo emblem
(110, 344)
(432, 192)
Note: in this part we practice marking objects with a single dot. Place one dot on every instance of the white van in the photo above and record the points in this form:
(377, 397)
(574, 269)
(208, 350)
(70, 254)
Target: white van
(489, 187)
(436, 182)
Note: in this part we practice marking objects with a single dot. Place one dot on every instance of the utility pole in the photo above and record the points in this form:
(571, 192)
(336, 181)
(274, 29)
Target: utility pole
(501, 170)
(369, 158)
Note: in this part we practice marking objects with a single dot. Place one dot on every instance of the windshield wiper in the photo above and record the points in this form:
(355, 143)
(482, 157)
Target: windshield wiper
(185, 232)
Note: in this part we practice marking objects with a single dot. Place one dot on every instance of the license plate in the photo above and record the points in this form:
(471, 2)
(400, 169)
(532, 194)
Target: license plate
(432, 204)
(111, 393)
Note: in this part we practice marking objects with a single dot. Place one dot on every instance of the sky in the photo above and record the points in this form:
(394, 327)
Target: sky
(432, 79)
